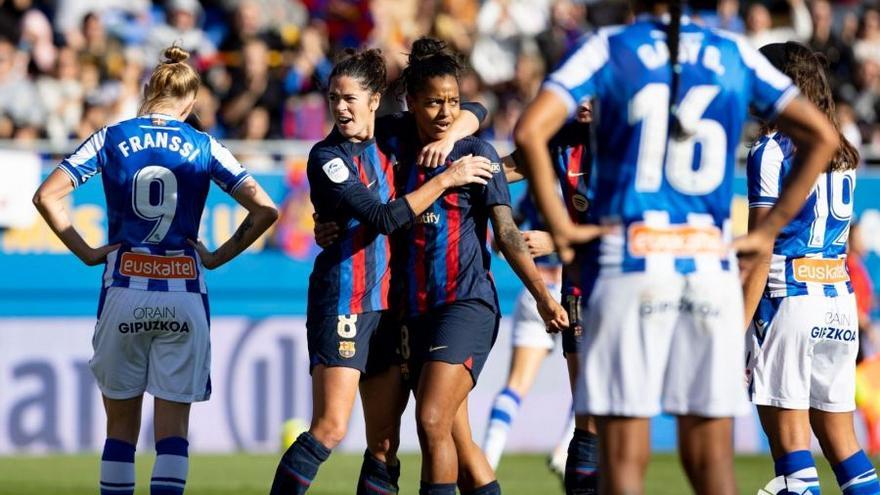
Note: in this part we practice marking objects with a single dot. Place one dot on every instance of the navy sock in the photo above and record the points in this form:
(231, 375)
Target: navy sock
(581, 474)
(299, 465)
(171, 467)
(117, 468)
(377, 478)
(492, 488)
(436, 488)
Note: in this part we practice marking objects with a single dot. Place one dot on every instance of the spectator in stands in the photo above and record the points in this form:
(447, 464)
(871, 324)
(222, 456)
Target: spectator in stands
(61, 93)
(21, 113)
(760, 30)
(181, 27)
(501, 27)
(825, 41)
(253, 84)
(725, 16)
(568, 22)
(69, 14)
(867, 44)
(204, 115)
(349, 22)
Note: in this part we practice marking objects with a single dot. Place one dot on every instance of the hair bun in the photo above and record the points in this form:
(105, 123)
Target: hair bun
(426, 47)
(175, 54)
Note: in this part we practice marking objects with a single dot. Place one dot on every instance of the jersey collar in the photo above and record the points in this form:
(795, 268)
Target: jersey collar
(662, 19)
(161, 116)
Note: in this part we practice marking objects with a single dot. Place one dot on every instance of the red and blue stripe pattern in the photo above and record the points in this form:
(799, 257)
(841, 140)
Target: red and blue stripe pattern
(364, 272)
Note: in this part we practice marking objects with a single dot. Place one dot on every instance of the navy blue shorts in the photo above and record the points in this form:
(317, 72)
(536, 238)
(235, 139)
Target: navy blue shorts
(366, 342)
(573, 335)
(462, 332)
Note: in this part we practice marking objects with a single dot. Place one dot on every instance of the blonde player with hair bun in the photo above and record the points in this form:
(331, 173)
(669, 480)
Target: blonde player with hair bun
(152, 333)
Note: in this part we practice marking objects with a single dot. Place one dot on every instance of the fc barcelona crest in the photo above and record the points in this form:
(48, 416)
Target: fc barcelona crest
(346, 349)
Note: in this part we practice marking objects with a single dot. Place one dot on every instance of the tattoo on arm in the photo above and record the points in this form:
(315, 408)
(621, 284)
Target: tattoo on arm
(506, 232)
(245, 226)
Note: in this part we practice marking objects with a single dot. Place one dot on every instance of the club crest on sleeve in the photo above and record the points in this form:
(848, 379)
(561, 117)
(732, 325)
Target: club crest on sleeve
(336, 170)
(346, 349)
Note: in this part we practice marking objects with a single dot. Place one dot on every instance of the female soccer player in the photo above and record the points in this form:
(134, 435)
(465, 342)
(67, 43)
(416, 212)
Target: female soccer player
(576, 455)
(152, 333)
(352, 184)
(662, 320)
(803, 339)
(452, 303)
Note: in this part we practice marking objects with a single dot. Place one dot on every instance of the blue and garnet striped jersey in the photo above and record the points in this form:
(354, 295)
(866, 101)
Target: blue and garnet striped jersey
(156, 173)
(353, 185)
(445, 257)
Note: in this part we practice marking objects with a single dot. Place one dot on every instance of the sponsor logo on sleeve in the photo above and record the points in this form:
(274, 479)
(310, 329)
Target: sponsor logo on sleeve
(336, 170)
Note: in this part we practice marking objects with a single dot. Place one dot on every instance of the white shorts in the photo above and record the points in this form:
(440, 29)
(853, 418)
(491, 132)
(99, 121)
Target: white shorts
(156, 342)
(802, 353)
(669, 340)
(528, 327)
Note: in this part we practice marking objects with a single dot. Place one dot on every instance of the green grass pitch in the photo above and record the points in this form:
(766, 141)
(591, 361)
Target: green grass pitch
(252, 474)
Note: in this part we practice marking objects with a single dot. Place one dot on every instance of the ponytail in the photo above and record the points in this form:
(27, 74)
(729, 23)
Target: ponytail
(673, 39)
(172, 79)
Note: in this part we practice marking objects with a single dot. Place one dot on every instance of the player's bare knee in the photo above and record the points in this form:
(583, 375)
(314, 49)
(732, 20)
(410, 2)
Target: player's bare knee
(433, 424)
(330, 432)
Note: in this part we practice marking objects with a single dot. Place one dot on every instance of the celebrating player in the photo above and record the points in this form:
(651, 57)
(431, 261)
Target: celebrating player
(662, 320)
(152, 333)
(803, 339)
(572, 158)
(349, 333)
(452, 303)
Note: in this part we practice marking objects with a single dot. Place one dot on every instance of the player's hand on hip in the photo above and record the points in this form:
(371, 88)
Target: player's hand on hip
(553, 314)
(97, 256)
(540, 243)
(208, 258)
(469, 170)
(326, 233)
(434, 154)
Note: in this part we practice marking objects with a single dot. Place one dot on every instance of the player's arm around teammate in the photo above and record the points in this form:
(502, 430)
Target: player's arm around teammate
(352, 183)
(152, 333)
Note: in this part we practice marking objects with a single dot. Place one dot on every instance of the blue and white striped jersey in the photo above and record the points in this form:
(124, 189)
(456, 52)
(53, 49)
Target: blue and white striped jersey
(670, 196)
(809, 256)
(156, 173)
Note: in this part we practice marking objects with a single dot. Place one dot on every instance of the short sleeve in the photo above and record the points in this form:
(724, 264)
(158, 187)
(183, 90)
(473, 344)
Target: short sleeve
(225, 169)
(579, 75)
(770, 91)
(764, 174)
(477, 109)
(497, 192)
(87, 160)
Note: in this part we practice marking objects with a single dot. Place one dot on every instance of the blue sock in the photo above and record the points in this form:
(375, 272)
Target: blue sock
(581, 468)
(504, 411)
(799, 465)
(299, 465)
(492, 488)
(171, 467)
(856, 475)
(377, 478)
(117, 468)
(436, 488)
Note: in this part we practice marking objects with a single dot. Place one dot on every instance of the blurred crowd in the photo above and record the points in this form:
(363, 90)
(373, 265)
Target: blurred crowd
(68, 67)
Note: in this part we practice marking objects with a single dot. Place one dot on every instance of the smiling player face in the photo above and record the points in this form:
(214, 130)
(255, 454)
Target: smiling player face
(435, 107)
(353, 108)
